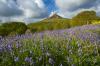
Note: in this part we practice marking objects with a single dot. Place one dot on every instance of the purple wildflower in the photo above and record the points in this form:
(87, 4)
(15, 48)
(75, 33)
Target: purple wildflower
(9, 47)
(1, 49)
(28, 59)
(18, 44)
(16, 59)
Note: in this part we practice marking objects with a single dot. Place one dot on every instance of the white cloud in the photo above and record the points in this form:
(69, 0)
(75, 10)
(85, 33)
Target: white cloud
(69, 8)
(8, 8)
(68, 14)
(23, 9)
(67, 4)
(40, 3)
(33, 8)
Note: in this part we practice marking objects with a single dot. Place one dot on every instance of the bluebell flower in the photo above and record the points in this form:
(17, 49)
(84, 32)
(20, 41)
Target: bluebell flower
(16, 59)
(28, 59)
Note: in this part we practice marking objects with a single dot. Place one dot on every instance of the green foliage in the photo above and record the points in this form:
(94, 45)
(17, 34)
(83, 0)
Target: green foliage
(3, 32)
(12, 28)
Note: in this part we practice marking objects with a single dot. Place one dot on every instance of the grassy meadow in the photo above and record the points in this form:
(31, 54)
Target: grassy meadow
(52, 42)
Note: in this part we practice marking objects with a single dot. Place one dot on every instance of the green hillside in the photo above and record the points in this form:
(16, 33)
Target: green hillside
(85, 17)
(56, 22)
(13, 28)
(50, 24)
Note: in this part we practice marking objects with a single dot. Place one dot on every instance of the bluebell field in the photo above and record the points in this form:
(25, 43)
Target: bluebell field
(78, 46)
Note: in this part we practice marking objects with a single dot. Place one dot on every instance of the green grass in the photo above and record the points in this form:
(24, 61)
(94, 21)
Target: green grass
(50, 24)
(50, 51)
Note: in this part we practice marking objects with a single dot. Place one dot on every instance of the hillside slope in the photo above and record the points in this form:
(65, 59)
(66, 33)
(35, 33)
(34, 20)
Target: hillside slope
(52, 23)
(56, 22)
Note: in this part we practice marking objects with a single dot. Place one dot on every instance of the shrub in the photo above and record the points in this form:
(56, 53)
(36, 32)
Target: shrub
(3, 32)
(12, 28)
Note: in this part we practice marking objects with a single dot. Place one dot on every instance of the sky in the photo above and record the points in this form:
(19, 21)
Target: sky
(32, 10)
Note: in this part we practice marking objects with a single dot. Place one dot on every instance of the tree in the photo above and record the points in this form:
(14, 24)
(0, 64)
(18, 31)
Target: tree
(12, 28)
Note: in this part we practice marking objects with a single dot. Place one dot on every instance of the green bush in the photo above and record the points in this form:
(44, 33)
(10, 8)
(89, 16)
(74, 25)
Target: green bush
(3, 32)
(12, 28)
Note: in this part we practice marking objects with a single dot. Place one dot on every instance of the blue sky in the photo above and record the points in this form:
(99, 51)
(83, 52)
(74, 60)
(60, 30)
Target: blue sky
(50, 4)
(38, 9)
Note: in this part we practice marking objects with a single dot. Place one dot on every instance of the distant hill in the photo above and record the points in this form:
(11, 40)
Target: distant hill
(54, 16)
(85, 17)
(55, 21)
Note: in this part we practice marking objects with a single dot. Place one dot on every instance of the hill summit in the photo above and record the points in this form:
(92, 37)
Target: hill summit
(54, 15)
